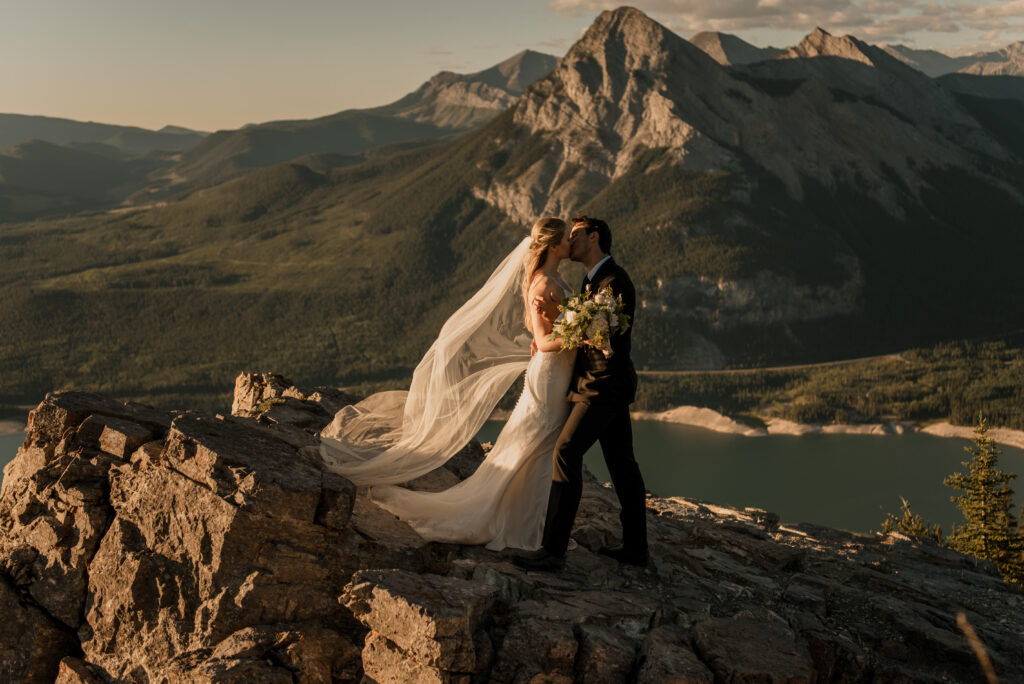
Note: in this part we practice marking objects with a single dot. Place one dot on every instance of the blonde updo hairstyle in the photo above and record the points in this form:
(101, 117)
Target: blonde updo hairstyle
(546, 232)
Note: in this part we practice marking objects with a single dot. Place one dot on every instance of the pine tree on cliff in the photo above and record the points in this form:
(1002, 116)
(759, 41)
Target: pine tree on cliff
(911, 523)
(990, 529)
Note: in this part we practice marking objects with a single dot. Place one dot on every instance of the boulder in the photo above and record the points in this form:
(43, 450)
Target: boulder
(225, 529)
(275, 399)
(437, 621)
(53, 513)
(386, 663)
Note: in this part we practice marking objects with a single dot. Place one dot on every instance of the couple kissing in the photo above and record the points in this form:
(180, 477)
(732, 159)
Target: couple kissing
(579, 382)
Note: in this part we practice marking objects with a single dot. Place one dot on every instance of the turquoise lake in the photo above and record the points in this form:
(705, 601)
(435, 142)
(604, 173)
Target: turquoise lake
(841, 481)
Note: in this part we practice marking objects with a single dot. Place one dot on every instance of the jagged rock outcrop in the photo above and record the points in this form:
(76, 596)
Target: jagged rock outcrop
(220, 550)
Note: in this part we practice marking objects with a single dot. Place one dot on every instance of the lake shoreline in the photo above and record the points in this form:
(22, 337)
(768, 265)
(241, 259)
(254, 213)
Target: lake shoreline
(710, 419)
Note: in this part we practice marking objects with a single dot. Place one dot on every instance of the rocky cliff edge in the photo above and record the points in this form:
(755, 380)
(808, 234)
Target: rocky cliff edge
(147, 546)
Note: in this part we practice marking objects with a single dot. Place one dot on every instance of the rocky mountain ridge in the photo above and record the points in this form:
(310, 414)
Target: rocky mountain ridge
(630, 85)
(728, 49)
(143, 546)
(832, 115)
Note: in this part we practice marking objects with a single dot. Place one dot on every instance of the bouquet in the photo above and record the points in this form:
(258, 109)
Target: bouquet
(590, 319)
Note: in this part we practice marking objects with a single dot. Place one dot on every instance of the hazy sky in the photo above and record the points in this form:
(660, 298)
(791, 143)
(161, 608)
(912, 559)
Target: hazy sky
(215, 64)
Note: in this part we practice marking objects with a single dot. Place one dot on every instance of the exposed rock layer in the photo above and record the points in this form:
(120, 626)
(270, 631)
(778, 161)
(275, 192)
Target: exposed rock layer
(220, 550)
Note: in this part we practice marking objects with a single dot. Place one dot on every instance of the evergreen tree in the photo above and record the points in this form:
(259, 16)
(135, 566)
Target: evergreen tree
(911, 524)
(990, 529)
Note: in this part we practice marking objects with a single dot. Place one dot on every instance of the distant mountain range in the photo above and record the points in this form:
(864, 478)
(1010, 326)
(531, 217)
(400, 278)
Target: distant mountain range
(16, 128)
(445, 105)
(1008, 61)
(730, 50)
(827, 202)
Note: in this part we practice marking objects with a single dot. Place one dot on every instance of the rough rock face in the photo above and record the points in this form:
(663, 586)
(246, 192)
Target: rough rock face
(630, 85)
(219, 550)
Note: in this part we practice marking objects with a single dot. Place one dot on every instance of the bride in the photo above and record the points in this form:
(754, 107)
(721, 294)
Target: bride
(394, 437)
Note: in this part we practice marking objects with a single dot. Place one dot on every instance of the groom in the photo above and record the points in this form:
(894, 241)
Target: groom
(601, 391)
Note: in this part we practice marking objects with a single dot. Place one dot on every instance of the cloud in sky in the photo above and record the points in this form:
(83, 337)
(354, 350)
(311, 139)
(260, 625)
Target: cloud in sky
(875, 20)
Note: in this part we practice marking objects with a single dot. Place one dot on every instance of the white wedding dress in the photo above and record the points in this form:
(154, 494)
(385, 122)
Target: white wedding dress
(395, 437)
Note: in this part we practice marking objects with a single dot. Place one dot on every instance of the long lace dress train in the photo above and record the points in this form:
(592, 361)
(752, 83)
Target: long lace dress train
(504, 502)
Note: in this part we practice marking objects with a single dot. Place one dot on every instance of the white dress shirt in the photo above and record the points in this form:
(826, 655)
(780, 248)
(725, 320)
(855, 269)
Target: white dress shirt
(597, 267)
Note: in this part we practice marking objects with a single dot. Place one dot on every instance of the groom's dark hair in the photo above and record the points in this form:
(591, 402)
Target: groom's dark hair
(591, 225)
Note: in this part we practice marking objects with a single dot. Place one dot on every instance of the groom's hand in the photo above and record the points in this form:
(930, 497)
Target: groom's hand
(543, 305)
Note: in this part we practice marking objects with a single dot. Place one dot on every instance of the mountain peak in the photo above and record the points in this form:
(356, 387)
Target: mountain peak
(821, 43)
(518, 71)
(627, 39)
(625, 21)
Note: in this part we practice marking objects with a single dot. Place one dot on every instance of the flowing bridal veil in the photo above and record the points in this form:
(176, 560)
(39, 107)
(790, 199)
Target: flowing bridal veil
(394, 437)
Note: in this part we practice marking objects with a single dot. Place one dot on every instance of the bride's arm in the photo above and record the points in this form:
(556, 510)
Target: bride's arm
(542, 320)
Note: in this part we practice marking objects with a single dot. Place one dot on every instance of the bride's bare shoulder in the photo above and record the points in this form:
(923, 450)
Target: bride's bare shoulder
(542, 282)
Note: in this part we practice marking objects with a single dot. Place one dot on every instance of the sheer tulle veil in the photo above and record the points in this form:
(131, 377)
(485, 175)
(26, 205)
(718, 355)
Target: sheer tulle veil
(394, 437)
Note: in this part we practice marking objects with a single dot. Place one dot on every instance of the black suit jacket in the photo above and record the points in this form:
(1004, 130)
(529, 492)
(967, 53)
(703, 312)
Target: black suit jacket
(599, 379)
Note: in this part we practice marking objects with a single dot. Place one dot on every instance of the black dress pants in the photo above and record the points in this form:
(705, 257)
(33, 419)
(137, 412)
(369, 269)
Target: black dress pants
(609, 424)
